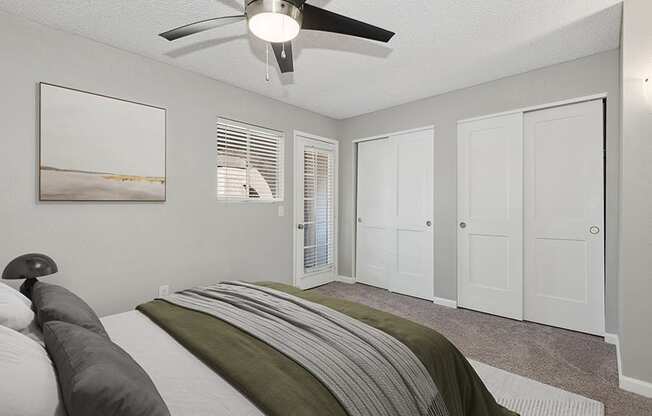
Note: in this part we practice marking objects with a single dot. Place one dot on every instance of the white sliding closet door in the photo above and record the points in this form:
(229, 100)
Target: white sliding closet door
(395, 243)
(564, 236)
(413, 253)
(374, 210)
(490, 215)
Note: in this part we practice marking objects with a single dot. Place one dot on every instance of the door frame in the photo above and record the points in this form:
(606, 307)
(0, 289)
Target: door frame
(297, 215)
(577, 100)
(354, 189)
(561, 103)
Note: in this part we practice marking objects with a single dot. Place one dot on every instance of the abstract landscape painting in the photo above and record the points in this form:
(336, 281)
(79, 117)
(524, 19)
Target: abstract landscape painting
(97, 148)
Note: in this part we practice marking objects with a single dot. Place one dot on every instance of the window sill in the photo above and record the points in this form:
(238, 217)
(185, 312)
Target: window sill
(250, 201)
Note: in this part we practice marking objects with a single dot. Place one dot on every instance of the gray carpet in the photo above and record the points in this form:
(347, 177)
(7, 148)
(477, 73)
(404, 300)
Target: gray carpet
(579, 363)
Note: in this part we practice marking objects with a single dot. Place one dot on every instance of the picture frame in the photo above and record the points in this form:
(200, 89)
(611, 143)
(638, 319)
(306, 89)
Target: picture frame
(98, 148)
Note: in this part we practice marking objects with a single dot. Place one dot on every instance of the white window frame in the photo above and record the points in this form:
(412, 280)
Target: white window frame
(280, 162)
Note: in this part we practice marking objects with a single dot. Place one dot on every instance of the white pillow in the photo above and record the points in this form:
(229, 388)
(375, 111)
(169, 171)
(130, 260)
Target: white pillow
(29, 384)
(15, 309)
(34, 332)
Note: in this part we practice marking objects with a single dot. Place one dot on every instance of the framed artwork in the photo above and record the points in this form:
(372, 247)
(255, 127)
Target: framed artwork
(98, 148)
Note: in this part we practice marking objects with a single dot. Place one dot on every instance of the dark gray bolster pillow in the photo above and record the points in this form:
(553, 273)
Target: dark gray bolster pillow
(55, 303)
(97, 377)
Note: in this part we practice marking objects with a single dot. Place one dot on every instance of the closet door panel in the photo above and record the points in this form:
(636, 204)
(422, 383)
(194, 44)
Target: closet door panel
(564, 237)
(374, 212)
(413, 268)
(490, 215)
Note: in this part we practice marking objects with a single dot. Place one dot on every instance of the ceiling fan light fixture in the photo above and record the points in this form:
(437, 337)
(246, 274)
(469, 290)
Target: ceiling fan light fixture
(275, 21)
(274, 27)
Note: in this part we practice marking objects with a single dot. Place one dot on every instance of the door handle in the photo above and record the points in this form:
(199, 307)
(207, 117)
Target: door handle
(594, 229)
(462, 225)
(428, 223)
(359, 220)
(300, 226)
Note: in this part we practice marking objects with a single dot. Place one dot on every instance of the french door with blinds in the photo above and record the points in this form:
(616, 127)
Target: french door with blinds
(315, 210)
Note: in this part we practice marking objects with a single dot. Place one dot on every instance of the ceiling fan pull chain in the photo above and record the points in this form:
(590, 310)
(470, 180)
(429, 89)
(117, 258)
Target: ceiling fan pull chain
(267, 62)
(283, 55)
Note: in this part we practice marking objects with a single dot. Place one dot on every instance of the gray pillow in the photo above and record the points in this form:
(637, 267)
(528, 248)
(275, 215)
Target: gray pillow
(97, 377)
(55, 303)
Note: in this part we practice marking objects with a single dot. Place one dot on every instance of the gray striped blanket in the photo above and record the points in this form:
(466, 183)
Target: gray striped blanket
(368, 371)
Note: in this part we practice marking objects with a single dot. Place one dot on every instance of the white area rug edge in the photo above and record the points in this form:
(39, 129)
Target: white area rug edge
(531, 398)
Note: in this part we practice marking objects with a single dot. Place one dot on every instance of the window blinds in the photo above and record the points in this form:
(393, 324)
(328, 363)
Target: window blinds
(319, 210)
(249, 162)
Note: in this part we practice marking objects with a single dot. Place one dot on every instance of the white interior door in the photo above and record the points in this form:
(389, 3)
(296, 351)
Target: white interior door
(315, 211)
(490, 215)
(374, 211)
(564, 227)
(412, 239)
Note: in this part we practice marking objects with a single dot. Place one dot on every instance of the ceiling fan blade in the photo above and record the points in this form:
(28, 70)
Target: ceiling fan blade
(286, 64)
(202, 26)
(315, 18)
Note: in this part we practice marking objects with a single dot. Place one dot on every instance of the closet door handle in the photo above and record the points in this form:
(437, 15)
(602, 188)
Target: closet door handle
(462, 225)
(428, 223)
(594, 230)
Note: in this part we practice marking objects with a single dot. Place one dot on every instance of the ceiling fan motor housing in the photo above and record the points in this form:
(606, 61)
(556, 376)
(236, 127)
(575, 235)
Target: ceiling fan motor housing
(286, 7)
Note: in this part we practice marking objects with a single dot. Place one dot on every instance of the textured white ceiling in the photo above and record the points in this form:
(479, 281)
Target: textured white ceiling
(441, 45)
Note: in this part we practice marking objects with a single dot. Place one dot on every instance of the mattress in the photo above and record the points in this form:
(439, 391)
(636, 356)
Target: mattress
(187, 386)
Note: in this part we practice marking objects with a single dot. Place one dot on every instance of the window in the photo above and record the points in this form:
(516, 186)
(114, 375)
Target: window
(249, 162)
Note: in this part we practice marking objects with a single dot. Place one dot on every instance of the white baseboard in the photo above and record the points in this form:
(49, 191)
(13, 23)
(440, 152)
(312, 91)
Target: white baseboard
(345, 279)
(611, 339)
(632, 385)
(445, 302)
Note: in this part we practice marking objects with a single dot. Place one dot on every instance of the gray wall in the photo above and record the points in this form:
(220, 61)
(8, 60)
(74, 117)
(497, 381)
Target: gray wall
(587, 76)
(636, 195)
(116, 255)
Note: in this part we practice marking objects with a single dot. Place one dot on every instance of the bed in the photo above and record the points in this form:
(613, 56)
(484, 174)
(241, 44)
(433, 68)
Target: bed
(176, 341)
(241, 349)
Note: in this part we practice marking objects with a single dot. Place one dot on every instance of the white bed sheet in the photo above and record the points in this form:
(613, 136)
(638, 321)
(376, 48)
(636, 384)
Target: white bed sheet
(187, 385)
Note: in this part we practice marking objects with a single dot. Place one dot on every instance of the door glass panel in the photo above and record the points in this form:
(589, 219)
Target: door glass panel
(319, 215)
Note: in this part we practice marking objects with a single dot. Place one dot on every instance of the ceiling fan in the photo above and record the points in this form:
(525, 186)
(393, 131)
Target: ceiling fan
(280, 21)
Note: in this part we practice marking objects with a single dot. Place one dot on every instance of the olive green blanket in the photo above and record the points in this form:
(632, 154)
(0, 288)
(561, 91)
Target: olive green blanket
(281, 387)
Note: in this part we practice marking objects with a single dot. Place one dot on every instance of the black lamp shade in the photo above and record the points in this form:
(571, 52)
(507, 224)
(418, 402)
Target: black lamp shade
(30, 266)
